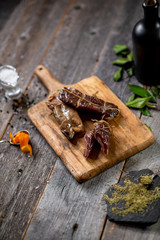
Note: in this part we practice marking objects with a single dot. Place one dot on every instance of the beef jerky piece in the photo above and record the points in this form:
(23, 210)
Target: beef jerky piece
(76, 99)
(102, 133)
(89, 140)
(67, 118)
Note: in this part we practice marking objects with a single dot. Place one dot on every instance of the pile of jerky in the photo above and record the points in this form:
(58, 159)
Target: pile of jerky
(64, 105)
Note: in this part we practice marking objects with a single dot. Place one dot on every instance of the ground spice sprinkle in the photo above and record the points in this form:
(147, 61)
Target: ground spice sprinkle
(136, 196)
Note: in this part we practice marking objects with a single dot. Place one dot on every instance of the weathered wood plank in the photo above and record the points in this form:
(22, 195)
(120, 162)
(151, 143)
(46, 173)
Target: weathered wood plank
(19, 220)
(78, 44)
(146, 159)
(60, 175)
(85, 223)
(6, 8)
(24, 40)
(121, 34)
(73, 207)
(125, 232)
(23, 178)
(68, 210)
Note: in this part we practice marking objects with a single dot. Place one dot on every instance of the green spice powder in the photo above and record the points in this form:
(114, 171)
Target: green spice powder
(136, 196)
(147, 179)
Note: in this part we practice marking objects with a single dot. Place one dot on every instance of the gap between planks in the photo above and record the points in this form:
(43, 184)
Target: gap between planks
(5, 129)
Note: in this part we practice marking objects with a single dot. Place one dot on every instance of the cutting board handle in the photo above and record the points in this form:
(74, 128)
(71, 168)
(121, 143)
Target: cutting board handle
(49, 81)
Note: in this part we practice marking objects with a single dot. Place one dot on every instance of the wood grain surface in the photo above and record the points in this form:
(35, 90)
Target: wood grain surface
(24, 46)
(21, 177)
(39, 198)
(130, 135)
(85, 202)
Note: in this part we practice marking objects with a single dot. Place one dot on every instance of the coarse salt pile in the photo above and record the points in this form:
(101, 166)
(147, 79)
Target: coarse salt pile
(8, 76)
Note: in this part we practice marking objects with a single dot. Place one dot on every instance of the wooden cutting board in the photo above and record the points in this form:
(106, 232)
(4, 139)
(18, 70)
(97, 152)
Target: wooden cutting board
(130, 135)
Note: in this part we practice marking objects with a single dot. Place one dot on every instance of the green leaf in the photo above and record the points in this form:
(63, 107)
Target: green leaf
(153, 99)
(145, 111)
(140, 91)
(151, 105)
(138, 102)
(131, 98)
(129, 72)
(123, 53)
(155, 91)
(118, 75)
(120, 48)
(120, 61)
(130, 57)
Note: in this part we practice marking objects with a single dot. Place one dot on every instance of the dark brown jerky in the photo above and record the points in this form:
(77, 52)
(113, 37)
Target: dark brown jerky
(66, 117)
(101, 132)
(89, 141)
(76, 99)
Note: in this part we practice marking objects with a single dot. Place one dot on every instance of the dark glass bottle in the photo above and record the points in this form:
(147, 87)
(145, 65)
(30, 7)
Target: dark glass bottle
(146, 45)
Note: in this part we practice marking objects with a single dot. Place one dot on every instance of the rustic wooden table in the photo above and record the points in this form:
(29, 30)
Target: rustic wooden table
(39, 198)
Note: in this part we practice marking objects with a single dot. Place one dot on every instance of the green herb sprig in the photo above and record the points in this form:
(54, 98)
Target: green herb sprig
(125, 61)
(141, 99)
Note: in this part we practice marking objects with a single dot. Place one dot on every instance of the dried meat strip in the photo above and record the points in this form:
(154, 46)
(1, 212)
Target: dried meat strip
(89, 141)
(67, 118)
(102, 133)
(76, 99)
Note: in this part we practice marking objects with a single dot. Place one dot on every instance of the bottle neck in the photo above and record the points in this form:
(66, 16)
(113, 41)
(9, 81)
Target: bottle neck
(150, 11)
